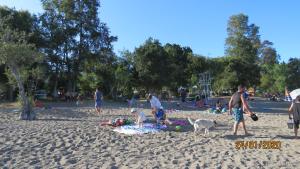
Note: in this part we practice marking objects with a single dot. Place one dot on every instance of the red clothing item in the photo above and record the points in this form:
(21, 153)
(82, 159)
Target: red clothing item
(39, 104)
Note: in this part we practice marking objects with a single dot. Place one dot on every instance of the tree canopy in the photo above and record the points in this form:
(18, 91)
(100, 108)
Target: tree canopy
(77, 51)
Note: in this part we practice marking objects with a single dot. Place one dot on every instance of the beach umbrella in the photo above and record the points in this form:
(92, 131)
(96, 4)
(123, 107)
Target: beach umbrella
(295, 93)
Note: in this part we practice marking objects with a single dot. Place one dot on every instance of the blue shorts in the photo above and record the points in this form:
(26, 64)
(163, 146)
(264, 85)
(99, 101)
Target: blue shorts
(238, 114)
(98, 103)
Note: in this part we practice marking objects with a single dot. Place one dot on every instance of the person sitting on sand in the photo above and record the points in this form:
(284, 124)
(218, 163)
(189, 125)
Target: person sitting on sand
(139, 117)
(116, 122)
(79, 100)
(161, 117)
(238, 105)
(219, 106)
(295, 110)
(199, 102)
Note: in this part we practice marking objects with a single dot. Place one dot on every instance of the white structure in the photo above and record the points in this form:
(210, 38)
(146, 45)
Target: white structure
(205, 84)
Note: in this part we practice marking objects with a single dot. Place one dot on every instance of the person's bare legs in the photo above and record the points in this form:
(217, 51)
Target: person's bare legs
(167, 121)
(98, 110)
(244, 127)
(296, 132)
(153, 111)
(235, 127)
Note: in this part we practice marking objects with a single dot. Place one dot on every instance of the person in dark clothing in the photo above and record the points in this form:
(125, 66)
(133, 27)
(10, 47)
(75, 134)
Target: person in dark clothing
(98, 100)
(295, 110)
(238, 105)
(183, 94)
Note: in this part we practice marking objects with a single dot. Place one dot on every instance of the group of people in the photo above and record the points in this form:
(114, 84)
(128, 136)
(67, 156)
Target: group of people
(139, 117)
(238, 106)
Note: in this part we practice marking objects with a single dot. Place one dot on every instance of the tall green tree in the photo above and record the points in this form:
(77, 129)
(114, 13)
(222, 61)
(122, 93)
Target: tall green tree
(78, 37)
(268, 53)
(151, 62)
(16, 53)
(242, 46)
(293, 73)
(21, 21)
(178, 64)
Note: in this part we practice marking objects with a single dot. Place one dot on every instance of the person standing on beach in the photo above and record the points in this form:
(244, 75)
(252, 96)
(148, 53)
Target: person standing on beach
(238, 105)
(155, 104)
(295, 110)
(98, 100)
(183, 94)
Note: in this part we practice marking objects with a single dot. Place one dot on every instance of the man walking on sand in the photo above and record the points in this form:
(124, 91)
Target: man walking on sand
(98, 100)
(238, 105)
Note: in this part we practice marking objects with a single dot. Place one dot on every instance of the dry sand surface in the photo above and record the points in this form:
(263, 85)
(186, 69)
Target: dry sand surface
(67, 136)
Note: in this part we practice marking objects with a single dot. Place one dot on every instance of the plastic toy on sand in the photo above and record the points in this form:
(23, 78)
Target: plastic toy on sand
(178, 128)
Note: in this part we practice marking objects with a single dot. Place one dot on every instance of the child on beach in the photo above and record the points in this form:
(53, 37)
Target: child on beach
(139, 117)
(161, 117)
(295, 110)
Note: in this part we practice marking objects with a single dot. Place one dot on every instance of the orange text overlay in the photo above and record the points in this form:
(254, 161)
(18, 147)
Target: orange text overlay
(271, 144)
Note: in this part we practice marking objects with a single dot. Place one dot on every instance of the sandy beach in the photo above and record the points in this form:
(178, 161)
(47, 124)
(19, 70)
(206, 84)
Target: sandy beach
(67, 136)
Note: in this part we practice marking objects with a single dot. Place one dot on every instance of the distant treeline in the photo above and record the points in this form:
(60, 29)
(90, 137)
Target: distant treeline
(76, 55)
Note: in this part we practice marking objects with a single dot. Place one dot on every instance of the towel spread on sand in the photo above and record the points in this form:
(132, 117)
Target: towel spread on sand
(134, 129)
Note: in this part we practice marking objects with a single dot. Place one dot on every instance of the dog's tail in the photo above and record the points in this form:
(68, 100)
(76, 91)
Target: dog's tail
(191, 122)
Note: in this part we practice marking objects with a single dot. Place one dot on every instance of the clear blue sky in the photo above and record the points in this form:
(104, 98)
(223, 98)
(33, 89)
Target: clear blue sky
(196, 23)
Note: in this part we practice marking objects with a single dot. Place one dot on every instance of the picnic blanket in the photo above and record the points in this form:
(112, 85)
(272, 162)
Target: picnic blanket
(180, 122)
(134, 129)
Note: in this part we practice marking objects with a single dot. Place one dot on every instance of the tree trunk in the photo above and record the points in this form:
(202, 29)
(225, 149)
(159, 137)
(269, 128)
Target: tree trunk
(27, 112)
(10, 93)
(55, 94)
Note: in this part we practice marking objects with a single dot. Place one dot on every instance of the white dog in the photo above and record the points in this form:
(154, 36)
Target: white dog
(203, 123)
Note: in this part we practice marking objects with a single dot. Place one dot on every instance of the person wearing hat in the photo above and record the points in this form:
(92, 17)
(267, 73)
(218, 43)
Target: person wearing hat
(238, 105)
(295, 110)
(139, 117)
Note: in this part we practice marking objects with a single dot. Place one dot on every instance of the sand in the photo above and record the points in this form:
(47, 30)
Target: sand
(67, 136)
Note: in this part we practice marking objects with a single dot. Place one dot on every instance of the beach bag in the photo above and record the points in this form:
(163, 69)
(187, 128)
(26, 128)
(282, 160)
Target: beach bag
(290, 124)
(254, 117)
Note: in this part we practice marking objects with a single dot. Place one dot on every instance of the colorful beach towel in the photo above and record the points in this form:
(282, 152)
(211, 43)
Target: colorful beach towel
(134, 129)
(180, 122)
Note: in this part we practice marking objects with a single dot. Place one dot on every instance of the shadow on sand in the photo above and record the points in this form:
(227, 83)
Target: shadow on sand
(59, 119)
(288, 137)
(235, 137)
